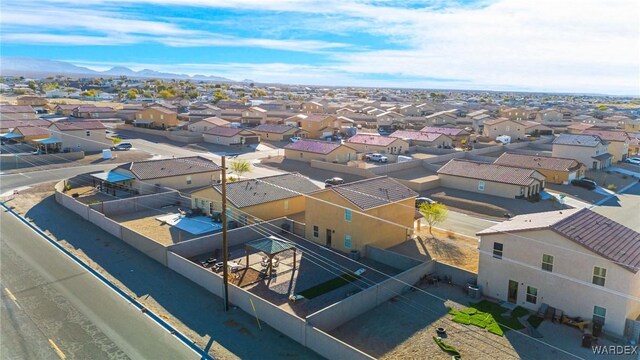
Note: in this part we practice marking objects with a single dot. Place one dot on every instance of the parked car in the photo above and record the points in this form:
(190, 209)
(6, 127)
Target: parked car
(585, 183)
(376, 157)
(122, 147)
(295, 139)
(424, 200)
(333, 181)
(634, 161)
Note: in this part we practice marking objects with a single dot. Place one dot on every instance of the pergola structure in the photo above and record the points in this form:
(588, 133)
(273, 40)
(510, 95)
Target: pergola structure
(112, 181)
(271, 246)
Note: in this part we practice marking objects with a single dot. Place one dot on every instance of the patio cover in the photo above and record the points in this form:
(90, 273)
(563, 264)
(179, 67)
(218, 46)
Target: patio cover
(271, 246)
(48, 141)
(11, 136)
(112, 177)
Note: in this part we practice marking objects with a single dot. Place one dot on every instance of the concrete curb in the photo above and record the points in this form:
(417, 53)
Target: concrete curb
(157, 319)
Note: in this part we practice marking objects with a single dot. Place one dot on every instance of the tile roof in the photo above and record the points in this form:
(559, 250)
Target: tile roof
(16, 109)
(16, 123)
(578, 140)
(580, 126)
(316, 117)
(83, 108)
(31, 130)
(416, 135)
(313, 146)
(496, 121)
(489, 172)
(215, 121)
(370, 193)
(161, 109)
(444, 130)
(608, 135)
(153, 169)
(252, 192)
(273, 128)
(78, 125)
(371, 139)
(532, 221)
(537, 162)
(224, 131)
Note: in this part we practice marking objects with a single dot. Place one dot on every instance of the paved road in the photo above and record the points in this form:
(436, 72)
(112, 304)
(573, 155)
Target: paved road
(12, 181)
(51, 297)
(463, 223)
(623, 208)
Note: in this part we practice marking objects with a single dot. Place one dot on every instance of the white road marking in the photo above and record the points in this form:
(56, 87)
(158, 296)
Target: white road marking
(28, 177)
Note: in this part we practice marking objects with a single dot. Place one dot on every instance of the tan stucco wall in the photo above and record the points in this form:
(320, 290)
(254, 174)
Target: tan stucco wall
(619, 150)
(313, 127)
(328, 216)
(583, 154)
(561, 177)
(177, 182)
(569, 287)
(158, 117)
(490, 188)
(342, 155)
(509, 128)
(269, 136)
(97, 140)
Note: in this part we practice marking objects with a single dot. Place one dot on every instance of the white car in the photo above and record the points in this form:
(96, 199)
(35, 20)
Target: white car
(634, 161)
(295, 139)
(376, 157)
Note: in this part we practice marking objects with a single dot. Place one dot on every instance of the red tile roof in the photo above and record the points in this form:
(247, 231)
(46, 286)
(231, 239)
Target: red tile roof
(489, 172)
(314, 146)
(78, 125)
(371, 139)
(537, 162)
(608, 135)
(416, 135)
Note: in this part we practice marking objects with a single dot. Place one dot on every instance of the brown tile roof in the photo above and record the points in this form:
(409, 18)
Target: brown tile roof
(224, 131)
(537, 162)
(608, 135)
(444, 130)
(489, 172)
(161, 109)
(78, 125)
(215, 120)
(16, 109)
(374, 192)
(153, 169)
(416, 135)
(371, 139)
(16, 123)
(273, 128)
(31, 130)
(315, 117)
(314, 146)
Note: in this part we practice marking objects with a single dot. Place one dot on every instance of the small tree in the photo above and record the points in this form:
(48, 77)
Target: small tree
(433, 214)
(116, 140)
(240, 167)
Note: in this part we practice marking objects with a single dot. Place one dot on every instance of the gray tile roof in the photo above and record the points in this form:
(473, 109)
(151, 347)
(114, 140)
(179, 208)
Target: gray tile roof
(374, 192)
(153, 169)
(603, 236)
(537, 162)
(272, 188)
(489, 172)
(578, 140)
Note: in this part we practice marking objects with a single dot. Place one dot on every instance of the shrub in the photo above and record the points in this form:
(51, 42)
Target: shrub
(611, 187)
(75, 195)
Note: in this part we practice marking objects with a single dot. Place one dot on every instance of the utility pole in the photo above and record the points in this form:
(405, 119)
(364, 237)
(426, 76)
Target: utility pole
(225, 245)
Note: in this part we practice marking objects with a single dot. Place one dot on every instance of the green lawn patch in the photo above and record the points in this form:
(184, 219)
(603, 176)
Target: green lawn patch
(488, 315)
(450, 349)
(535, 321)
(329, 285)
(519, 312)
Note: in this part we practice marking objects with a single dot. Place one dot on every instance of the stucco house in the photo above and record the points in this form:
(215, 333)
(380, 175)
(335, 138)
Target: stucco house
(420, 138)
(590, 150)
(342, 217)
(459, 136)
(372, 143)
(549, 115)
(253, 200)
(31, 133)
(578, 128)
(518, 113)
(203, 125)
(93, 112)
(491, 179)
(556, 170)
(307, 150)
(317, 126)
(33, 101)
(312, 107)
(225, 135)
(254, 116)
(88, 136)
(618, 142)
(17, 112)
(156, 117)
(574, 260)
(514, 128)
(275, 132)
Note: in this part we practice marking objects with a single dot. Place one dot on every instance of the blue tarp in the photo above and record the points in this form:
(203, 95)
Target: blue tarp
(112, 177)
(11, 136)
(48, 141)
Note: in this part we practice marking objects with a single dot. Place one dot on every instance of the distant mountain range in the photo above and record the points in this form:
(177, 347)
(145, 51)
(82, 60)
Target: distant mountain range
(27, 66)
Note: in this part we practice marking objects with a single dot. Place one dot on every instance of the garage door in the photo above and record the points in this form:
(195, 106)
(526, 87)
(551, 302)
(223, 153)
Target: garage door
(252, 140)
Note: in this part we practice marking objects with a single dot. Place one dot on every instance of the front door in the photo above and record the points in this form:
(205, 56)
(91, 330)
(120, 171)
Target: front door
(512, 296)
(329, 237)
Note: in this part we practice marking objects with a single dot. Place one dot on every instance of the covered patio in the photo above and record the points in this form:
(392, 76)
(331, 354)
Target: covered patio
(112, 182)
(270, 246)
(11, 137)
(49, 145)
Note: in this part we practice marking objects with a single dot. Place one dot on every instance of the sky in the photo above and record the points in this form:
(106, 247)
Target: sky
(580, 46)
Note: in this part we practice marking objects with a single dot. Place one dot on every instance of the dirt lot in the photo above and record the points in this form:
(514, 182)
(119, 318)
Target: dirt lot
(25, 200)
(145, 223)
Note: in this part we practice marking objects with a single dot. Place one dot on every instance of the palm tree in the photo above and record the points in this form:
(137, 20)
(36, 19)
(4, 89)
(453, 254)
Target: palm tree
(240, 167)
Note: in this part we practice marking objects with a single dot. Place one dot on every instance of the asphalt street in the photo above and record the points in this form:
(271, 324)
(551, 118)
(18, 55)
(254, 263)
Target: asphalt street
(463, 223)
(12, 181)
(623, 208)
(53, 308)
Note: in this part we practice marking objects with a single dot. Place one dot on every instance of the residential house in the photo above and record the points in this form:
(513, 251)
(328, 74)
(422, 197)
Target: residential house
(87, 136)
(373, 143)
(459, 136)
(491, 179)
(478, 118)
(9, 125)
(307, 150)
(30, 134)
(426, 109)
(549, 116)
(634, 144)
(36, 102)
(573, 260)
(67, 109)
(590, 150)
(176, 173)
(425, 139)
(447, 117)
(618, 120)
(342, 217)
(274, 132)
(586, 119)
(199, 112)
(312, 107)
(518, 113)
(317, 126)
(93, 112)
(632, 126)
(514, 128)
(578, 128)
(128, 112)
(618, 142)
(254, 200)
(225, 135)
(556, 170)
(156, 117)
(408, 110)
(17, 112)
(254, 116)
(205, 124)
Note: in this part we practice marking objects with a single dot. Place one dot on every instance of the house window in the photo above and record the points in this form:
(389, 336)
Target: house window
(161, 116)
(202, 204)
(195, 202)
(480, 185)
(88, 133)
(347, 241)
(347, 215)
(151, 116)
(547, 262)
(189, 180)
(301, 155)
(532, 294)
(286, 204)
(316, 231)
(599, 275)
(497, 250)
(599, 314)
